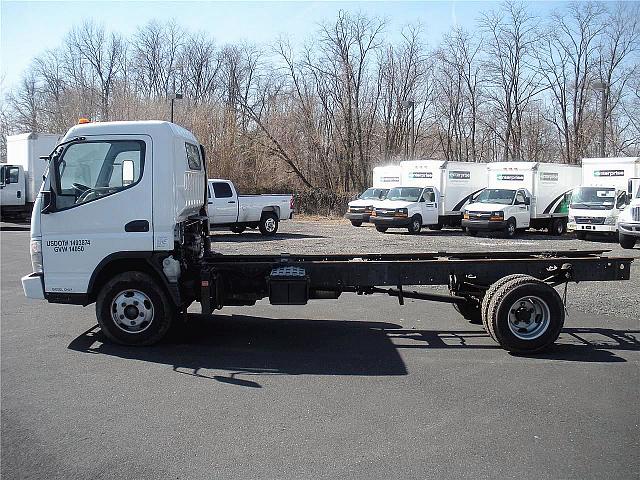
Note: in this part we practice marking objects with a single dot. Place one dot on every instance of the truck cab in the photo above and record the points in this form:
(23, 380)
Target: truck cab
(596, 209)
(498, 209)
(407, 207)
(629, 219)
(12, 189)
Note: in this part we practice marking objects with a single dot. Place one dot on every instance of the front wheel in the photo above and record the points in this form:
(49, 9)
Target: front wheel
(626, 241)
(268, 224)
(133, 310)
(416, 225)
(356, 223)
(381, 229)
(510, 228)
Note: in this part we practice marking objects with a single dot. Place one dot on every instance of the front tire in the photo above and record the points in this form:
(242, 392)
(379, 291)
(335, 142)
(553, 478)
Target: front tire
(132, 309)
(356, 223)
(510, 229)
(525, 315)
(268, 224)
(626, 241)
(416, 225)
(381, 229)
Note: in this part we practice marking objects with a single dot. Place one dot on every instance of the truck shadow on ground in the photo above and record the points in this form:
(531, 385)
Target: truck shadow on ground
(258, 237)
(241, 345)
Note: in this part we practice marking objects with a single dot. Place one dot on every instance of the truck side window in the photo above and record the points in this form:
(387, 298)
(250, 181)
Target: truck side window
(222, 190)
(13, 175)
(90, 170)
(193, 156)
(520, 198)
(622, 200)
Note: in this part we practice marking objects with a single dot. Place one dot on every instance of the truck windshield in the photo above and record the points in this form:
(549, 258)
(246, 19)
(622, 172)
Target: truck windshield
(593, 198)
(374, 194)
(407, 194)
(496, 195)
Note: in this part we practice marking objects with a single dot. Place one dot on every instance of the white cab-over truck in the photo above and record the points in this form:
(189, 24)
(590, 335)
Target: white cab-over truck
(522, 195)
(602, 195)
(239, 212)
(384, 178)
(21, 177)
(450, 184)
(629, 218)
(138, 246)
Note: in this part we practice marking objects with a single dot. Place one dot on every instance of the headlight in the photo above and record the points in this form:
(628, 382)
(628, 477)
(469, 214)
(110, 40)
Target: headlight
(610, 221)
(465, 215)
(402, 212)
(36, 256)
(497, 216)
(571, 219)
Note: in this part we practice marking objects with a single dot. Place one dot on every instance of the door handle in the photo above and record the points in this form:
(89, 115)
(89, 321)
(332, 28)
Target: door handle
(231, 201)
(137, 226)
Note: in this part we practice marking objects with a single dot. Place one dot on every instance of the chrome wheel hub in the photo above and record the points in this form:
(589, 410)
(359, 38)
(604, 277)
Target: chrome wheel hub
(132, 311)
(529, 318)
(270, 224)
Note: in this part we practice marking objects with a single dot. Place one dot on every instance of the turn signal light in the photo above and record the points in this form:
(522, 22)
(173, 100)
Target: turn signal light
(83, 120)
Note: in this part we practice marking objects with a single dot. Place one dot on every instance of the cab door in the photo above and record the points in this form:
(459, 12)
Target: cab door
(102, 207)
(429, 206)
(12, 186)
(522, 211)
(223, 203)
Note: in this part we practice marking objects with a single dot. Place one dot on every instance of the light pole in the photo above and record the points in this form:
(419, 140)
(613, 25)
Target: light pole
(412, 104)
(602, 87)
(173, 97)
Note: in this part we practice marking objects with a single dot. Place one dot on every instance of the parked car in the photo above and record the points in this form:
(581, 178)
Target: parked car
(239, 212)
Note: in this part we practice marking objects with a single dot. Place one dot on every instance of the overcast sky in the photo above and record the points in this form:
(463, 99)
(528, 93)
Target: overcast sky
(29, 28)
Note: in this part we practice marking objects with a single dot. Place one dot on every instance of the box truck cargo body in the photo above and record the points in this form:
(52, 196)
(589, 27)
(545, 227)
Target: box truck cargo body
(521, 195)
(388, 176)
(21, 177)
(455, 182)
(602, 195)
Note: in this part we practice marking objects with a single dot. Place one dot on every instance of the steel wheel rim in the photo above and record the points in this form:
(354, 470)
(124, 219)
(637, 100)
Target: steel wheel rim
(529, 318)
(511, 228)
(132, 311)
(270, 224)
(416, 225)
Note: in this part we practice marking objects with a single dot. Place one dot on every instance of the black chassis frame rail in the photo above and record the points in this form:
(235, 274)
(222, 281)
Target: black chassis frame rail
(243, 279)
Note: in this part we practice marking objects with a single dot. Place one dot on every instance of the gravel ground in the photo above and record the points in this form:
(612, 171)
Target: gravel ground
(322, 235)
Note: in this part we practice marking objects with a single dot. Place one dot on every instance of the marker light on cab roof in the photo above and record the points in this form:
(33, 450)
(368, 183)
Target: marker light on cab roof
(83, 120)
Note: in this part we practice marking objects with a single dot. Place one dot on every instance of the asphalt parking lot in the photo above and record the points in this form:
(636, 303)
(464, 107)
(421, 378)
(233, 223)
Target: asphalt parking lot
(354, 388)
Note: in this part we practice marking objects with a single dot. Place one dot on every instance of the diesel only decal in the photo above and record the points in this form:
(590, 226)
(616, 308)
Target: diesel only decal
(510, 177)
(459, 175)
(608, 173)
(66, 246)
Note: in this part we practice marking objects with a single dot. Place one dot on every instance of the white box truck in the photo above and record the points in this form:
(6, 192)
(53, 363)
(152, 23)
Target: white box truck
(384, 178)
(629, 218)
(522, 195)
(21, 177)
(602, 195)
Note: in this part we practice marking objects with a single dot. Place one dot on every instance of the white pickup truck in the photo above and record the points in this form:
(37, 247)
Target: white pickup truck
(237, 212)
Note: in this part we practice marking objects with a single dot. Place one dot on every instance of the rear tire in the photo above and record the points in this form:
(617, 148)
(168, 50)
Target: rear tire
(488, 295)
(437, 226)
(626, 241)
(356, 223)
(525, 315)
(580, 235)
(557, 227)
(268, 224)
(416, 225)
(132, 309)
(381, 229)
(237, 229)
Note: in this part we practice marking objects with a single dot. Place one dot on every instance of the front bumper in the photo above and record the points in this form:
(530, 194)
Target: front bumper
(487, 225)
(630, 229)
(358, 217)
(391, 221)
(33, 286)
(585, 227)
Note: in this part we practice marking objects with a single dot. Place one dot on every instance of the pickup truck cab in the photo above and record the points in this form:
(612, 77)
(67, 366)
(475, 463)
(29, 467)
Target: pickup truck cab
(237, 212)
(359, 210)
(407, 207)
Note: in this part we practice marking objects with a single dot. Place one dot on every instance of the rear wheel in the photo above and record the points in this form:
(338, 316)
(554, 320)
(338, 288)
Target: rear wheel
(356, 223)
(484, 307)
(557, 227)
(133, 310)
(437, 226)
(581, 235)
(626, 241)
(416, 225)
(381, 229)
(268, 224)
(525, 315)
(238, 229)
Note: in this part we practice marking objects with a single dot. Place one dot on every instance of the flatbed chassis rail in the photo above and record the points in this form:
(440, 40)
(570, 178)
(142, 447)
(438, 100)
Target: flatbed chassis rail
(510, 293)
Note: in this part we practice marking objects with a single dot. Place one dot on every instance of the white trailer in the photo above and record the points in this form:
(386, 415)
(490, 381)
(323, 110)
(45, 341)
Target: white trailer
(455, 182)
(521, 195)
(602, 195)
(21, 177)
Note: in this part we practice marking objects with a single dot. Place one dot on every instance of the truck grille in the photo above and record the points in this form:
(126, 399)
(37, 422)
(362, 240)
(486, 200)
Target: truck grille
(590, 220)
(359, 209)
(479, 215)
(383, 212)
(635, 214)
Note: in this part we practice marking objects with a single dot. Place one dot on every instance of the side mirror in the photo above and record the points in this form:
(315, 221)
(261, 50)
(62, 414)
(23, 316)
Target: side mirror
(527, 201)
(7, 180)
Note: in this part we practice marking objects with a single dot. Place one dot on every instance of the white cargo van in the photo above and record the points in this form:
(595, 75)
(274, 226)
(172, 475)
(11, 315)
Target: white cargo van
(522, 195)
(602, 195)
(21, 177)
(384, 178)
